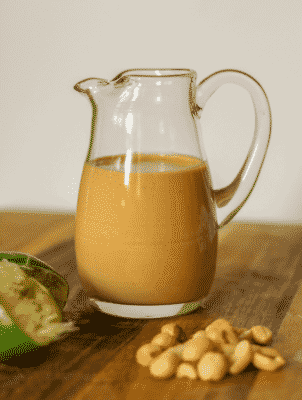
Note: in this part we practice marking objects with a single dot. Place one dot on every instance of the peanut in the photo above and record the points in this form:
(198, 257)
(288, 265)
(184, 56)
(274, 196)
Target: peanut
(212, 366)
(178, 349)
(195, 348)
(242, 356)
(239, 330)
(221, 332)
(228, 350)
(261, 334)
(199, 334)
(172, 329)
(165, 365)
(246, 335)
(146, 353)
(267, 358)
(264, 363)
(186, 370)
(164, 340)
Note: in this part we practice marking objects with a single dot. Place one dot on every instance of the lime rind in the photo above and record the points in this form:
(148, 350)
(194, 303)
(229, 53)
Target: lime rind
(32, 266)
(188, 308)
(13, 340)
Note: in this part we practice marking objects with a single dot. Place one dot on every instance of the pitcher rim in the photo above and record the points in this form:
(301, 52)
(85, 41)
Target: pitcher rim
(182, 72)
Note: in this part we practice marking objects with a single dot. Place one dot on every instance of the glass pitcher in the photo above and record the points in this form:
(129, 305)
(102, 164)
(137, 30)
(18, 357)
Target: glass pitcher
(146, 226)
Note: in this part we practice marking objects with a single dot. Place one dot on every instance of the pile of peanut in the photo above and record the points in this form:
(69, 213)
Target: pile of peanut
(209, 354)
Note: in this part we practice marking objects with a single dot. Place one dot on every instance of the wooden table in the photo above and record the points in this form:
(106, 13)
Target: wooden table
(258, 281)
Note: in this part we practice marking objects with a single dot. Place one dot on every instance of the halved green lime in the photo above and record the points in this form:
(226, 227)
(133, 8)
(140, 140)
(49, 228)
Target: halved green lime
(13, 340)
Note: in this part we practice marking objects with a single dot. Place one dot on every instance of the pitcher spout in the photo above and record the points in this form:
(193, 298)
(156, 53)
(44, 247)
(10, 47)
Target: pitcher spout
(90, 85)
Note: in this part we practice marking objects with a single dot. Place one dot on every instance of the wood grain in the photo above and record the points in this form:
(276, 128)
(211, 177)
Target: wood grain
(258, 276)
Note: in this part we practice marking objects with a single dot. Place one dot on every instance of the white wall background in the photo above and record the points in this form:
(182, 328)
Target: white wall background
(48, 46)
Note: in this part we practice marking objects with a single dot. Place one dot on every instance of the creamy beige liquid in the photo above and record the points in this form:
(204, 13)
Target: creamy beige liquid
(150, 238)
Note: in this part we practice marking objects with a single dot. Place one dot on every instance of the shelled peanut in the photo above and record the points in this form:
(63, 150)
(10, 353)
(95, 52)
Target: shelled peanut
(209, 354)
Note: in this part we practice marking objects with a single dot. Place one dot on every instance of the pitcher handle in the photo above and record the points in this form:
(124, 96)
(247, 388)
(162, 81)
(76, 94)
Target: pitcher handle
(233, 197)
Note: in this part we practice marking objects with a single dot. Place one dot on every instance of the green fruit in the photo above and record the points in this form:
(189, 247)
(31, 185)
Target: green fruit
(32, 297)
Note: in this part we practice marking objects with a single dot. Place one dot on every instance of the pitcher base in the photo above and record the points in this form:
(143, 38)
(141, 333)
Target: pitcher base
(136, 311)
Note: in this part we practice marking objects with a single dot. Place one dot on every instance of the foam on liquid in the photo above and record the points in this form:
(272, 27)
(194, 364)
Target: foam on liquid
(141, 164)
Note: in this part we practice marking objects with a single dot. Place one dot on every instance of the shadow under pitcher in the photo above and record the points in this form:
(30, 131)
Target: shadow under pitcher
(146, 225)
